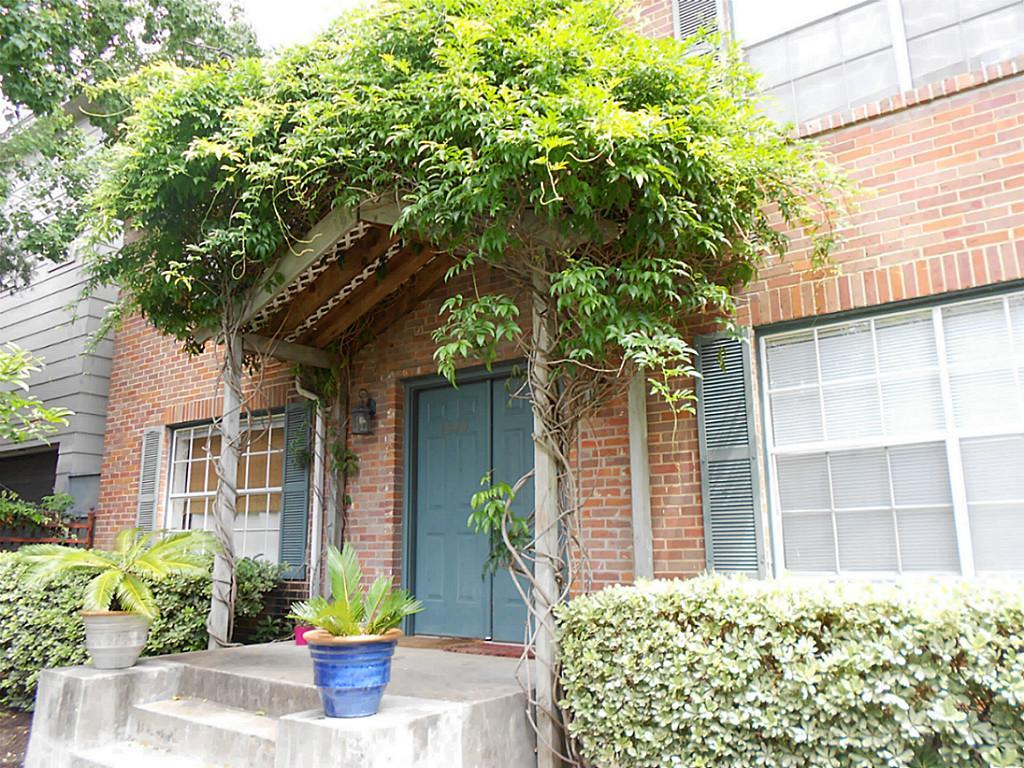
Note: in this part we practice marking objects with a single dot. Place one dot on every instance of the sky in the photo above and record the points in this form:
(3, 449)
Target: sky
(286, 22)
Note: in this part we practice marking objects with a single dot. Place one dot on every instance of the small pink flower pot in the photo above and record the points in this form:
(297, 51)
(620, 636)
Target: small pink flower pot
(300, 634)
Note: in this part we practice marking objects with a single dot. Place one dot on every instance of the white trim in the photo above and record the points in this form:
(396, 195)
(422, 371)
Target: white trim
(957, 486)
(900, 48)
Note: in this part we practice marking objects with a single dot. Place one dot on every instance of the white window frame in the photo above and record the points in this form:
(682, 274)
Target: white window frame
(273, 422)
(951, 437)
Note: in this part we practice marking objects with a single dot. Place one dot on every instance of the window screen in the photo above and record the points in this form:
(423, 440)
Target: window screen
(953, 36)
(193, 484)
(819, 58)
(897, 442)
(830, 64)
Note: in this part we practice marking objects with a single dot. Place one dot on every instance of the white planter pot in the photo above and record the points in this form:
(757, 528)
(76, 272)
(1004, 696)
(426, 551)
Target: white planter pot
(115, 639)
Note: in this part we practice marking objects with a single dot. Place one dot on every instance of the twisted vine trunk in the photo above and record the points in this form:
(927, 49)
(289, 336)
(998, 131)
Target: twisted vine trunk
(546, 517)
(220, 622)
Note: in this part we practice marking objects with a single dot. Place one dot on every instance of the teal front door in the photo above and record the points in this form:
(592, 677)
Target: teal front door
(461, 435)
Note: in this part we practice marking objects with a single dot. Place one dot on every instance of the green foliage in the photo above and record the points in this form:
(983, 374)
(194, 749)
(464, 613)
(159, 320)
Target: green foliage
(344, 460)
(492, 513)
(541, 136)
(40, 626)
(121, 577)
(351, 610)
(271, 629)
(24, 417)
(51, 51)
(46, 168)
(50, 510)
(734, 673)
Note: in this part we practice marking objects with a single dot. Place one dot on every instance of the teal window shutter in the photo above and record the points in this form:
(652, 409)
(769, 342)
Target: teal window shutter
(728, 456)
(149, 478)
(295, 491)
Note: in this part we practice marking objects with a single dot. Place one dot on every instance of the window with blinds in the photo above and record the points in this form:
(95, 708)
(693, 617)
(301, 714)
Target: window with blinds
(193, 484)
(897, 442)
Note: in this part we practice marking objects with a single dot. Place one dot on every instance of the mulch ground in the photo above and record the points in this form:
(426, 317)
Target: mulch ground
(13, 737)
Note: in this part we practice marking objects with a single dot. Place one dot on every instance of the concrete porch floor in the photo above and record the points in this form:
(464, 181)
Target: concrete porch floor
(256, 706)
(421, 672)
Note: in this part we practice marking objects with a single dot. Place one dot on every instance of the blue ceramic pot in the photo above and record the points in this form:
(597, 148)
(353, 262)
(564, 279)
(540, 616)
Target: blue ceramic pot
(351, 674)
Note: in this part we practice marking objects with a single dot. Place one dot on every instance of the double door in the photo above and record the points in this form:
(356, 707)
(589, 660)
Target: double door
(460, 436)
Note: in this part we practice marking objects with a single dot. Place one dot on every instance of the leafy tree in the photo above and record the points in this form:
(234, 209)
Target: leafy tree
(622, 186)
(23, 416)
(51, 53)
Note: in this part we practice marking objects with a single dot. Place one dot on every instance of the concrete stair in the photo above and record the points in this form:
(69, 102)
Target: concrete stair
(220, 735)
(129, 754)
(257, 708)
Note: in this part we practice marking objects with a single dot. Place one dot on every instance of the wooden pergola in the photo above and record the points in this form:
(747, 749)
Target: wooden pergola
(349, 280)
(344, 284)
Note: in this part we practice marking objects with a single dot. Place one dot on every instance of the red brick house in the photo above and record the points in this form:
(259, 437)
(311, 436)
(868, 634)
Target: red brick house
(871, 423)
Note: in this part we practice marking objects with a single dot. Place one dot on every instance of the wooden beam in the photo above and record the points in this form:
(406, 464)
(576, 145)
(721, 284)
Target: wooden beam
(354, 261)
(421, 284)
(292, 261)
(383, 212)
(544, 232)
(640, 479)
(285, 350)
(400, 268)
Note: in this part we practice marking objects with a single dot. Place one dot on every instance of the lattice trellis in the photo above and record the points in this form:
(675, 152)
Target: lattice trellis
(310, 274)
(345, 292)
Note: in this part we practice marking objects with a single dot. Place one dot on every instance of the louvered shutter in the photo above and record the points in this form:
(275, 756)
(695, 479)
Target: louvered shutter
(692, 16)
(728, 456)
(295, 491)
(149, 478)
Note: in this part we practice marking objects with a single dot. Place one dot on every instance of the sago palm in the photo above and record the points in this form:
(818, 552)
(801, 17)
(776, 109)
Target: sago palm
(121, 572)
(350, 611)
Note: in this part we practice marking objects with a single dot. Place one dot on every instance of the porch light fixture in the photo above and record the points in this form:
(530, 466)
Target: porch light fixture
(363, 414)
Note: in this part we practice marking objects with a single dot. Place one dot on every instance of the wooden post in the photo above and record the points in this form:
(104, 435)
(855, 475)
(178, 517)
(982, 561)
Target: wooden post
(545, 594)
(219, 624)
(640, 479)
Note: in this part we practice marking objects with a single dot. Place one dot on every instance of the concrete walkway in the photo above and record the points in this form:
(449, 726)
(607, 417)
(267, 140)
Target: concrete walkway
(256, 706)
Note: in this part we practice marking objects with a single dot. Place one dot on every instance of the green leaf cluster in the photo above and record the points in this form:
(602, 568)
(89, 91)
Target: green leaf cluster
(40, 626)
(733, 673)
(23, 416)
(492, 515)
(119, 581)
(636, 177)
(48, 511)
(351, 610)
(53, 53)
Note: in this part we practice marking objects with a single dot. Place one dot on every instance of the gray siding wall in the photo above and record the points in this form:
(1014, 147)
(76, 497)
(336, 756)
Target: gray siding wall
(39, 319)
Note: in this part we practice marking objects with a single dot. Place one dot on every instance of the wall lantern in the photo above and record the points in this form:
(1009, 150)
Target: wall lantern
(363, 413)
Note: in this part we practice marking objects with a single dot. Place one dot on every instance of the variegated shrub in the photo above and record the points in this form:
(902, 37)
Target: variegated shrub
(736, 673)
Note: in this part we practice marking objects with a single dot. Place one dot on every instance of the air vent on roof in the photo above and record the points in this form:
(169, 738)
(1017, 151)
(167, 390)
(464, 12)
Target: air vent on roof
(695, 15)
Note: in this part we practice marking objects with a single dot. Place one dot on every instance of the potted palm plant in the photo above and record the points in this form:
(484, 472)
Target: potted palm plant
(118, 605)
(353, 636)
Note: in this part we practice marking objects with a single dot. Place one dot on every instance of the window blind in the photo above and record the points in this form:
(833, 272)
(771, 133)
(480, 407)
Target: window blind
(897, 442)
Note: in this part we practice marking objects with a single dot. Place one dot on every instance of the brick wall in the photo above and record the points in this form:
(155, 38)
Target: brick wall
(653, 18)
(153, 383)
(943, 210)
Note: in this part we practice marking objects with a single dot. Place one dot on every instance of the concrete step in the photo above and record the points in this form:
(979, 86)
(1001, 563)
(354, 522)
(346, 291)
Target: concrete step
(131, 754)
(196, 728)
(241, 689)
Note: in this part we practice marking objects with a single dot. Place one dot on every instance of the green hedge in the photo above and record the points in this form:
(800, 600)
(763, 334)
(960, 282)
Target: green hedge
(41, 628)
(726, 673)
